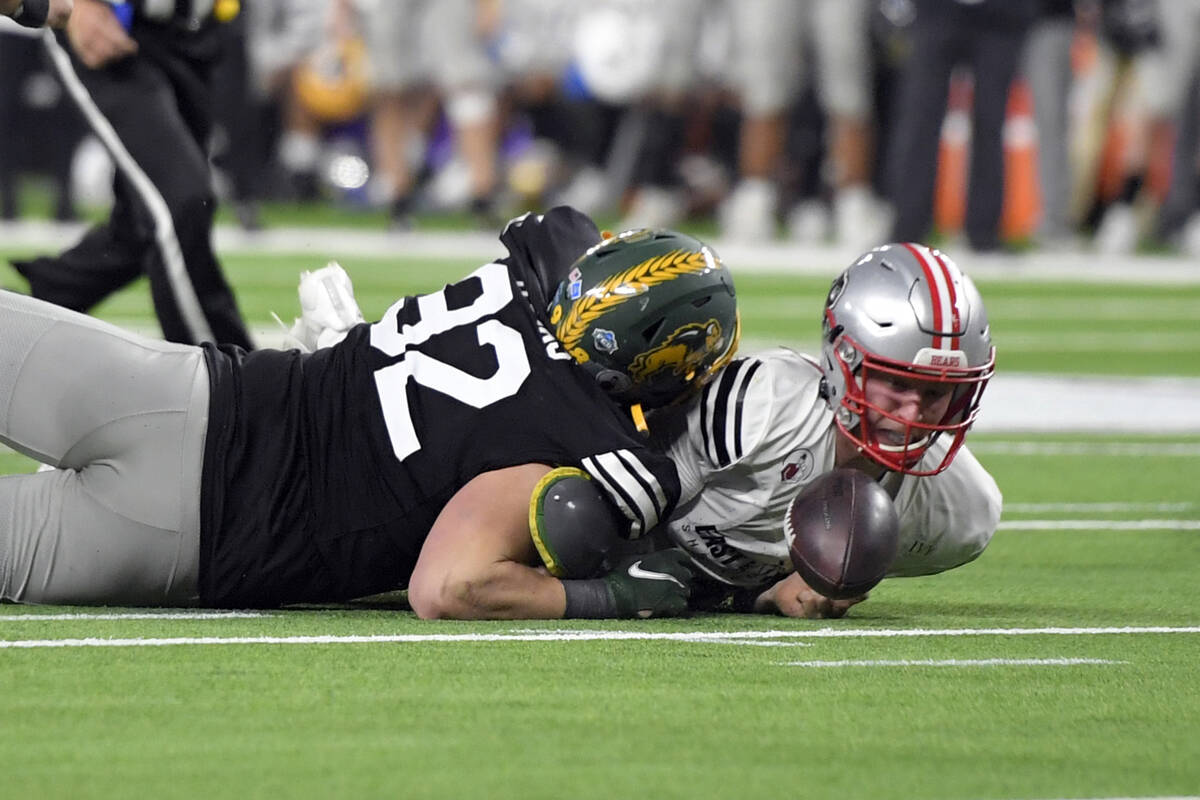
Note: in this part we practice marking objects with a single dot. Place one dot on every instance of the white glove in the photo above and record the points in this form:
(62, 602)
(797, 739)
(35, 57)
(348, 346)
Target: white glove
(328, 309)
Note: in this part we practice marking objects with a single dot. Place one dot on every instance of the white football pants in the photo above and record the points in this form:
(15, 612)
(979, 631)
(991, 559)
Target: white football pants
(123, 419)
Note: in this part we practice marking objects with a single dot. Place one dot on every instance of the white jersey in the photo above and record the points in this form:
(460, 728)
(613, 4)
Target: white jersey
(760, 433)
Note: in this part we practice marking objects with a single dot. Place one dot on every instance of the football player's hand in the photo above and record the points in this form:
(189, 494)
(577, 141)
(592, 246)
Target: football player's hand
(792, 597)
(96, 34)
(328, 309)
(653, 585)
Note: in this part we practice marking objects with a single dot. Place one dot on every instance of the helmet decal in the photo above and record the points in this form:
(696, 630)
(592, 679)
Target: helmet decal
(623, 286)
(605, 341)
(681, 352)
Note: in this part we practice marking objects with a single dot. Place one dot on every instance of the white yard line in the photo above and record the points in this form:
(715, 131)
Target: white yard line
(1101, 525)
(105, 615)
(959, 662)
(594, 635)
(1095, 508)
(1112, 449)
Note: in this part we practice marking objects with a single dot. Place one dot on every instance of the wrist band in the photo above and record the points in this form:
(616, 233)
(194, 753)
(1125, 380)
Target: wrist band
(32, 13)
(589, 600)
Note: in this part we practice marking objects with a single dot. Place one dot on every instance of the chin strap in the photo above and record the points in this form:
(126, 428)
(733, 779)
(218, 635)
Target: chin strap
(639, 418)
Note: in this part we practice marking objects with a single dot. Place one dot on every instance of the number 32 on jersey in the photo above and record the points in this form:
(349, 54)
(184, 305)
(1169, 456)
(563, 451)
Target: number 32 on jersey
(387, 335)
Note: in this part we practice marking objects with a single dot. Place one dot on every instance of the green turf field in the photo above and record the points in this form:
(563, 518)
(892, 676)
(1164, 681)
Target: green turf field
(1065, 663)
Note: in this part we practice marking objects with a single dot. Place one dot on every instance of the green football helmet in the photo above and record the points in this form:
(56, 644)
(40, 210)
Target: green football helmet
(651, 313)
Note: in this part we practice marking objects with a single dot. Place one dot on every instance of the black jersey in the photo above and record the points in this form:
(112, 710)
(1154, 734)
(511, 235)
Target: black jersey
(324, 472)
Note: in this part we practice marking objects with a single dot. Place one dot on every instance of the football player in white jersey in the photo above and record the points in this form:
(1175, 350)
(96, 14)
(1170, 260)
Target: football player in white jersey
(906, 353)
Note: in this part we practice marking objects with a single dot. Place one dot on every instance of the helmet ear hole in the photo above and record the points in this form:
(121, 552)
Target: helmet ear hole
(700, 302)
(649, 332)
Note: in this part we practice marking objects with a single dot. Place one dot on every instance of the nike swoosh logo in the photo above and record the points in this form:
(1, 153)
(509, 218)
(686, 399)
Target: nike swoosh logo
(635, 571)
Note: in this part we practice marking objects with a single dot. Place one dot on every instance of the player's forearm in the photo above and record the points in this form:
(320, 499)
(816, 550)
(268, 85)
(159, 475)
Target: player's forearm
(503, 590)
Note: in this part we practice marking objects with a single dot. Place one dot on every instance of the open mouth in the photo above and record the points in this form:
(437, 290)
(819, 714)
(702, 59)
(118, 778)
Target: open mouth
(898, 442)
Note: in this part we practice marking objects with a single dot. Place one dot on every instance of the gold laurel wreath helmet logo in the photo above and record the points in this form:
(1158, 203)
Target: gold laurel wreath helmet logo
(603, 298)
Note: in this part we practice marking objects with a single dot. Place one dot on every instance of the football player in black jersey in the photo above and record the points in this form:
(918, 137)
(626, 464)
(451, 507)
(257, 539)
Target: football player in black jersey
(405, 455)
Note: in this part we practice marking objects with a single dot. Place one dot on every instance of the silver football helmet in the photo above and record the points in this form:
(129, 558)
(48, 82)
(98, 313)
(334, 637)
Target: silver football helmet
(905, 310)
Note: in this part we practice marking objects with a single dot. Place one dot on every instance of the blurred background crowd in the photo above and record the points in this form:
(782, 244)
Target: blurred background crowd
(996, 124)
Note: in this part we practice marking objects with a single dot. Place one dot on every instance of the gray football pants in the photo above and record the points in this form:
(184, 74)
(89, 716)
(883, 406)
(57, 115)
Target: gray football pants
(123, 418)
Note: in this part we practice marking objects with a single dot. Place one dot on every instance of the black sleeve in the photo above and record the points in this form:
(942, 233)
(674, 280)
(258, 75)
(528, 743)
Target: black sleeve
(32, 13)
(542, 248)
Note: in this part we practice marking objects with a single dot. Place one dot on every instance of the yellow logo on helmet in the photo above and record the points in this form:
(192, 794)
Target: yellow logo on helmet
(682, 352)
(626, 285)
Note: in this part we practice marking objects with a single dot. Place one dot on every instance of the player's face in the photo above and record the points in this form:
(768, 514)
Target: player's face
(893, 401)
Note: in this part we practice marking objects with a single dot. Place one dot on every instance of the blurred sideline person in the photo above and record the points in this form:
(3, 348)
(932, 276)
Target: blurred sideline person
(651, 63)
(38, 13)
(906, 354)
(1048, 70)
(421, 54)
(768, 71)
(1176, 77)
(407, 453)
(987, 36)
(295, 50)
(1130, 54)
(146, 93)
(267, 145)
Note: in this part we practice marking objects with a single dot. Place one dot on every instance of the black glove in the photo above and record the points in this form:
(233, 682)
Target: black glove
(653, 585)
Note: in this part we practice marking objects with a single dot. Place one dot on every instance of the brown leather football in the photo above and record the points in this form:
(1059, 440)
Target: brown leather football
(843, 532)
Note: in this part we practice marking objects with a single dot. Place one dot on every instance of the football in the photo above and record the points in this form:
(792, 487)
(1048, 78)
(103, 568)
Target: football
(842, 532)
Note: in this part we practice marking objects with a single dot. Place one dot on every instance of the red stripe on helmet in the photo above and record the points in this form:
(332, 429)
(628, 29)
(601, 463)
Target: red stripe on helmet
(932, 283)
(956, 322)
